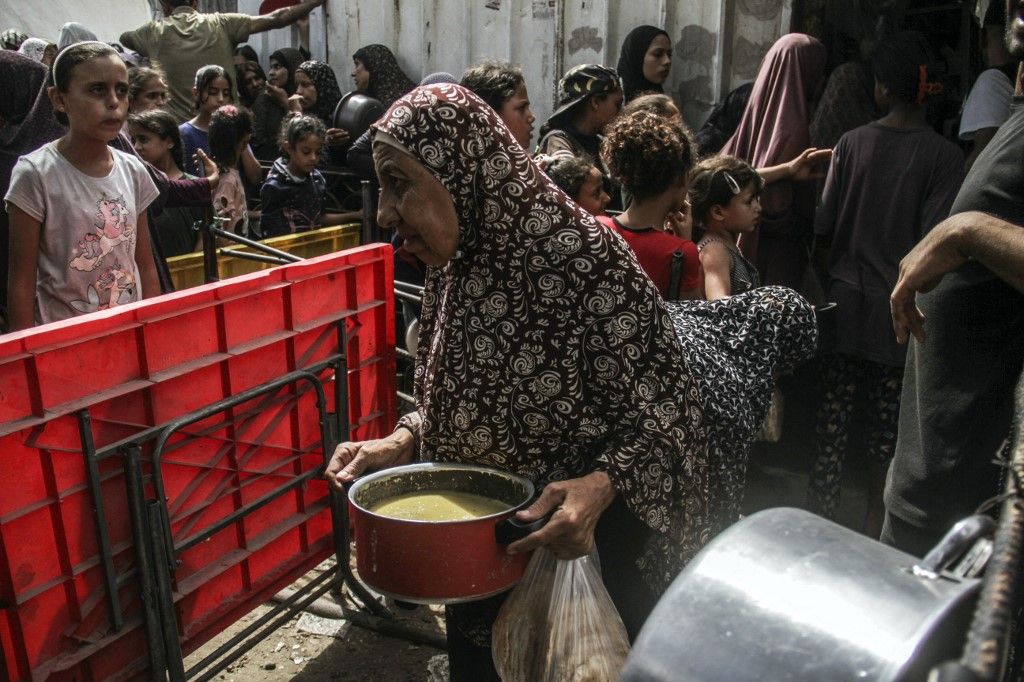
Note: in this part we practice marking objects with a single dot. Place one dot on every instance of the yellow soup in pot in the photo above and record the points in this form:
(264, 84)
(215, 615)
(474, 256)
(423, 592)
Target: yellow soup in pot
(438, 505)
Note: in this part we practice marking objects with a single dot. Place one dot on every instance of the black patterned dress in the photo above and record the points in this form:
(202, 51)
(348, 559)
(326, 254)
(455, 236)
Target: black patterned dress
(735, 347)
(545, 350)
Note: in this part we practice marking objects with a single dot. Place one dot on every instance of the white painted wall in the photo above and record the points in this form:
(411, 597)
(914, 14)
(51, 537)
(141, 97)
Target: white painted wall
(108, 19)
(717, 43)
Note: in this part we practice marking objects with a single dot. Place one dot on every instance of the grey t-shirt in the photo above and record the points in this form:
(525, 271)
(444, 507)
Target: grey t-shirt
(957, 403)
(886, 188)
(87, 240)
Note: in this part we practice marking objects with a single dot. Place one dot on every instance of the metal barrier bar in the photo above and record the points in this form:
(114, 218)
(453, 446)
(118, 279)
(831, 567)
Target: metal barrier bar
(211, 273)
(152, 432)
(209, 411)
(242, 512)
(369, 226)
(274, 260)
(339, 505)
(406, 296)
(409, 287)
(253, 244)
(164, 591)
(143, 562)
(100, 519)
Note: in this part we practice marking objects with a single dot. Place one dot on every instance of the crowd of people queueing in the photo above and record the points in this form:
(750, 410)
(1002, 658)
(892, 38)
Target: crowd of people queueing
(605, 312)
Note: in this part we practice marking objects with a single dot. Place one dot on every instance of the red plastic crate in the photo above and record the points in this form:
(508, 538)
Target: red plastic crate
(143, 365)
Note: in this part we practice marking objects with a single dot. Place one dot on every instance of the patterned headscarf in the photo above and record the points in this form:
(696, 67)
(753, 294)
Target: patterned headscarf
(631, 61)
(328, 94)
(545, 349)
(387, 80)
(12, 38)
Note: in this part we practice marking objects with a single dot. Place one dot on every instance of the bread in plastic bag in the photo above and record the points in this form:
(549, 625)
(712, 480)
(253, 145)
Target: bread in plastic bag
(559, 625)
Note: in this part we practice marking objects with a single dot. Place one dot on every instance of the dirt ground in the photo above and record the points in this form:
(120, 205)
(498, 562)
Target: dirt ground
(297, 650)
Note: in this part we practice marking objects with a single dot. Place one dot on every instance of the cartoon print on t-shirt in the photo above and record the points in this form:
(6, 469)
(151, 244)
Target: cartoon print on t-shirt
(113, 228)
(115, 287)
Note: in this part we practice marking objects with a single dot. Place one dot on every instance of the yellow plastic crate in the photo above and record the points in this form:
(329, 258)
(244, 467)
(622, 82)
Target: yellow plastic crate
(187, 270)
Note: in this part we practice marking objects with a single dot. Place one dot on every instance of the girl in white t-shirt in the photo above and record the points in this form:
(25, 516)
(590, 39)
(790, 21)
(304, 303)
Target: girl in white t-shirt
(79, 233)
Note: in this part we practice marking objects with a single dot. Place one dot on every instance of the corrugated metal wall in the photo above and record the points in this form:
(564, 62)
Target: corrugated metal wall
(718, 44)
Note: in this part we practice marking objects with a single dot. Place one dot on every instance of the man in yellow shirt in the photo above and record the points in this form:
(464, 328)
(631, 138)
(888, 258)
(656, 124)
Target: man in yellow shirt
(186, 39)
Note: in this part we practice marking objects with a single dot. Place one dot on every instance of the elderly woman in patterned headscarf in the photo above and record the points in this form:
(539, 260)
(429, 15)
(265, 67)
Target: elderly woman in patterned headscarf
(376, 73)
(546, 351)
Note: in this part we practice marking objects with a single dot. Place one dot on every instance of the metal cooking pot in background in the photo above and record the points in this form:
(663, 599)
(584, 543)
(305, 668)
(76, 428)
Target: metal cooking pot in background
(356, 112)
(439, 562)
(787, 595)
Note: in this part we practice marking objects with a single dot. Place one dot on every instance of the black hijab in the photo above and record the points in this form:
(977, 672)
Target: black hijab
(289, 58)
(631, 61)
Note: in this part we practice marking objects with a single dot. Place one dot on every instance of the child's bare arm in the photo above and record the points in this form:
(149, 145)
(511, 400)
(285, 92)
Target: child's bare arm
(332, 219)
(716, 263)
(24, 261)
(144, 259)
(251, 167)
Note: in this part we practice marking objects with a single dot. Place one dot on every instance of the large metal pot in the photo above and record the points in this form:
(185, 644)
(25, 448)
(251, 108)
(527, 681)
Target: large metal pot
(355, 112)
(439, 562)
(787, 595)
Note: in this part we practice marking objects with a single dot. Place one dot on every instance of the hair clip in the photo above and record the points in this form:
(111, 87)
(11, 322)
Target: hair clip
(925, 88)
(733, 185)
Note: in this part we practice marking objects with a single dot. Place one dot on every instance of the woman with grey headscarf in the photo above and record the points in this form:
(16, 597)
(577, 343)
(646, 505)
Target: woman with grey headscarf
(73, 32)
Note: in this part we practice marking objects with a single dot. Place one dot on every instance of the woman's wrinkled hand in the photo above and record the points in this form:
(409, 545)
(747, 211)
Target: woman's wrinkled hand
(352, 459)
(578, 504)
(295, 103)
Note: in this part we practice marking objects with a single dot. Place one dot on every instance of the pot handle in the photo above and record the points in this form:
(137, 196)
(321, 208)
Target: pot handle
(957, 540)
(510, 530)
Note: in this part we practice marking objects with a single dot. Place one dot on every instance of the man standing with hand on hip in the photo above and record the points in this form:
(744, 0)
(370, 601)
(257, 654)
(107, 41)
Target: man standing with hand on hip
(968, 325)
(186, 39)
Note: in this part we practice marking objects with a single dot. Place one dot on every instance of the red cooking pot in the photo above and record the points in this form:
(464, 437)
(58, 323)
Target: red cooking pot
(440, 562)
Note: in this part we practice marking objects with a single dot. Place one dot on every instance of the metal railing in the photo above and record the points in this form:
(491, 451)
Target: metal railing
(212, 230)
